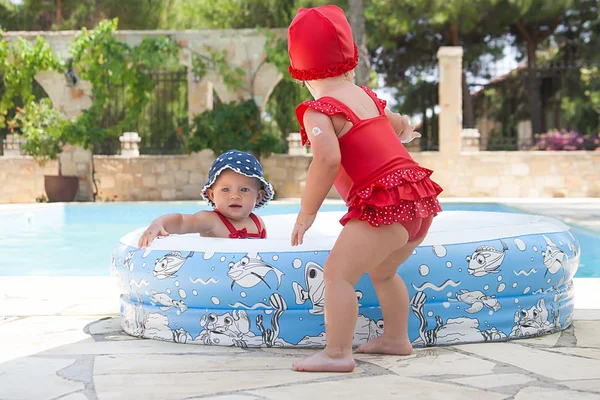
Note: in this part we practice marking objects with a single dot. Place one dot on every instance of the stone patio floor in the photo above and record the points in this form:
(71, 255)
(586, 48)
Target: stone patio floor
(60, 339)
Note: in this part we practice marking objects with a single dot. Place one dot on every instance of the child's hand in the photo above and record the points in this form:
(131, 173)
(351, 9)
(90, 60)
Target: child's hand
(152, 232)
(303, 222)
(407, 134)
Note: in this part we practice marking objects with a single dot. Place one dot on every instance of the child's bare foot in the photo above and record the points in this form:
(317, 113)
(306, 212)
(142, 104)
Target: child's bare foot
(383, 345)
(323, 362)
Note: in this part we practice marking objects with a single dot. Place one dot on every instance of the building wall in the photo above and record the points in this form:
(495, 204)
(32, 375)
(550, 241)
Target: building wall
(180, 177)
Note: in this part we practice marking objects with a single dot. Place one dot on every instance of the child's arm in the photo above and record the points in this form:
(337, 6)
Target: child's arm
(175, 223)
(402, 126)
(322, 171)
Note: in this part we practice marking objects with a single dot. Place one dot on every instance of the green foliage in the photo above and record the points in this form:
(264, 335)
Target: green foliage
(230, 14)
(75, 14)
(42, 129)
(288, 93)
(580, 102)
(230, 126)
(20, 61)
(233, 78)
(109, 64)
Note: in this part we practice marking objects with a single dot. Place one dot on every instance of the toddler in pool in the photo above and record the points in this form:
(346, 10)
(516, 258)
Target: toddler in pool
(236, 186)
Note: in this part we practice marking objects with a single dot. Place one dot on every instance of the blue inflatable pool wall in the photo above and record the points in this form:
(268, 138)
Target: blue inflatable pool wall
(474, 291)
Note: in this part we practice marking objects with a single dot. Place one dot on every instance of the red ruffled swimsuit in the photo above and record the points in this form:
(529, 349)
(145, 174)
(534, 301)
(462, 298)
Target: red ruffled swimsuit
(243, 233)
(378, 179)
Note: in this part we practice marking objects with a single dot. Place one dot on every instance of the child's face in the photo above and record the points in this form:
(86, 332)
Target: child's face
(235, 195)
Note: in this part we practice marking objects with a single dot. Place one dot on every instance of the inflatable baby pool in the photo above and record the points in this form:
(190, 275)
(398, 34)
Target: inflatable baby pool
(478, 276)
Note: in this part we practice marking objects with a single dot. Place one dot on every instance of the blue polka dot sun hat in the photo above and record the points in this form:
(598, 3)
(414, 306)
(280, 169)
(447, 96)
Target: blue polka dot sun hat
(242, 163)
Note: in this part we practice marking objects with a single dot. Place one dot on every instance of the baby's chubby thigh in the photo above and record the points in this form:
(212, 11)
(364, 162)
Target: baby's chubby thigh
(361, 247)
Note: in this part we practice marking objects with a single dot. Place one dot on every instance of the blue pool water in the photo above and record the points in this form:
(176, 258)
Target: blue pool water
(78, 239)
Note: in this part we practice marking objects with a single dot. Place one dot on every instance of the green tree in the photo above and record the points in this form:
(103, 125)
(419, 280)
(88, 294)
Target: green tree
(404, 36)
(533, 22)
(76, 14)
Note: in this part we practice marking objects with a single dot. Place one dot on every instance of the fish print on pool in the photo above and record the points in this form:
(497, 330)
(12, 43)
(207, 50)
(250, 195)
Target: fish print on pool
(501, 289)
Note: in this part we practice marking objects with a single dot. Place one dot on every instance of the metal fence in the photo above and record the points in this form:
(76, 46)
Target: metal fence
(38, 93)
(163, 120)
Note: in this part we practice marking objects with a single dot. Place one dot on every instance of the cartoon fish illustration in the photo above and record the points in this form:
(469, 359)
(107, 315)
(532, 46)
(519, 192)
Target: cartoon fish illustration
(477, 300)
(127, 263)
(486, 260)
(168, 265)
(250, 271)
(554, 258)
(315, 288)
(167, 302)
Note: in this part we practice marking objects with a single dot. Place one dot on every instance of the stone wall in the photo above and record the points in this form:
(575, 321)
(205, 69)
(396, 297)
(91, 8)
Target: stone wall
(483, 174)
(516, 173)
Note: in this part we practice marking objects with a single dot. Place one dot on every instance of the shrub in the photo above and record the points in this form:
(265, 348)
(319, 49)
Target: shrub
(566, 140)
(42, 128)
(232, 126)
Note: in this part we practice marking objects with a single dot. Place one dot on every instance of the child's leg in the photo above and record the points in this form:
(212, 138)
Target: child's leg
(393, 300)
(358, 248)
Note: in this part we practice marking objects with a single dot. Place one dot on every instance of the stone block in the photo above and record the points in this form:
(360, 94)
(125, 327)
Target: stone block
(163, 180)
(159, 167)
(107, 182)
(82, 156)
(69, 169)
(190, 164)
(192, 192)
(198, 177)
(149, 181)
(182, 177)
(134, 166)
(520, 169)
(168, 194)
(124, 179)
(153, 194)
(82, 168)
(486, 182)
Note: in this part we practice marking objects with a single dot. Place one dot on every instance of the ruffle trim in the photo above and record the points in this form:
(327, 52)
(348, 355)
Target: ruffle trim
(314, 74)
(406, 210)
(319, 106)
(405, 184)
(401, 196)
(382, 102)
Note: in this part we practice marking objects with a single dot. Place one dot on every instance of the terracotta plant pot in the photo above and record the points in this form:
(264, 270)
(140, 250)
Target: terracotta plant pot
(61, 188)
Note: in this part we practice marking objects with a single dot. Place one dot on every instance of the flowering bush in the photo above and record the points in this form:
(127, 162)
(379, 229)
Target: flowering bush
(566, 140)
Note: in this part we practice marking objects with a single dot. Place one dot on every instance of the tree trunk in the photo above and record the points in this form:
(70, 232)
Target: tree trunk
(468, 114)
(535, 100)
(357, 22)
(59, 13)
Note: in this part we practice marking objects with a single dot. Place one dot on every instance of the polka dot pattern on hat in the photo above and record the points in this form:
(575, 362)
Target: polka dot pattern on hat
(243, 163)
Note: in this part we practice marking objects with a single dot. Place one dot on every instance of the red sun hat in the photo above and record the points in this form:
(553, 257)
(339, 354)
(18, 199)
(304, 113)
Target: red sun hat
(320, 44)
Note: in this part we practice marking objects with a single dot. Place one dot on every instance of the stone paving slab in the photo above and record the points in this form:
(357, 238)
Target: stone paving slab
(68, 356)
(560, 367)
(35, 378)
(376, 388)
(541, 393)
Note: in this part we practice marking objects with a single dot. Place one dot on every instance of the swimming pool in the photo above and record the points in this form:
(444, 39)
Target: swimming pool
(77, 239)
